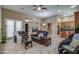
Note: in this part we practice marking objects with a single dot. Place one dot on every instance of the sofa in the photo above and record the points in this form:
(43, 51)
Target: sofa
(41, 37)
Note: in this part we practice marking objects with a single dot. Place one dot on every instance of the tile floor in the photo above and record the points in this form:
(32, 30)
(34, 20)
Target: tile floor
(16, 48)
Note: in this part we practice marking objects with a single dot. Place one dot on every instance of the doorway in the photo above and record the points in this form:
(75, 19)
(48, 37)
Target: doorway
(49, 27)
(10, 29)
(26, 28)
(58, 30)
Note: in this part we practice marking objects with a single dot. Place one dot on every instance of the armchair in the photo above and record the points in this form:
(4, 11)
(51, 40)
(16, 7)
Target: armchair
(70, 46)
(25, 38)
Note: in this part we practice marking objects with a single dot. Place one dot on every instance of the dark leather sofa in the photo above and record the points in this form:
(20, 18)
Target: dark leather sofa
(41, 39)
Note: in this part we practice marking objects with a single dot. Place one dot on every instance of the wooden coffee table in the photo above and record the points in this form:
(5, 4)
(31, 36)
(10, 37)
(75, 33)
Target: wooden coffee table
(47, 41)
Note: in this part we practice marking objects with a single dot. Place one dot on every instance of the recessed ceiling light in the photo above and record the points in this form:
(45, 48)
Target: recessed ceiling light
(59, 10)
(73, 6)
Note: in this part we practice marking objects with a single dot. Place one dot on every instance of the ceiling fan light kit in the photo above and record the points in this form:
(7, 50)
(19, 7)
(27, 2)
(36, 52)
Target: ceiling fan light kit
(39, 8)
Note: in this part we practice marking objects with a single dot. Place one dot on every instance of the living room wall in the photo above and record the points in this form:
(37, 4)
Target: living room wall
(53, 21)
(19, 16)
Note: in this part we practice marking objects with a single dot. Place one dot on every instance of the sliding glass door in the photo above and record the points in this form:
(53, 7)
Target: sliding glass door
(12, 27)
(18, 25)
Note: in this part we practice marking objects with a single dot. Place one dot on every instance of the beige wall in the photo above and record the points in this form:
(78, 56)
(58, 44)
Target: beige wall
(52, 20)
(19, 16)
(66, 19)
(12, 14)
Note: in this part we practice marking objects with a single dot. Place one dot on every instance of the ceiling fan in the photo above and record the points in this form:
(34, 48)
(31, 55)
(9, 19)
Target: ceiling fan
(39, 8)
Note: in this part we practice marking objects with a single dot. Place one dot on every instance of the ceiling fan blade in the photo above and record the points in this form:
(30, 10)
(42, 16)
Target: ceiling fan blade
(35, 5)
(35, 9)
(45, 8)
(40, 5)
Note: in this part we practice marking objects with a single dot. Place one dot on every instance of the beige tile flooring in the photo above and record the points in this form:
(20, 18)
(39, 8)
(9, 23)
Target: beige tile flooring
(16, 48)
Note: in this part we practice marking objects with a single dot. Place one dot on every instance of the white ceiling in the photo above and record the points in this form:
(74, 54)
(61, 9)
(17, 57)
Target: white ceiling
(66, 10)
